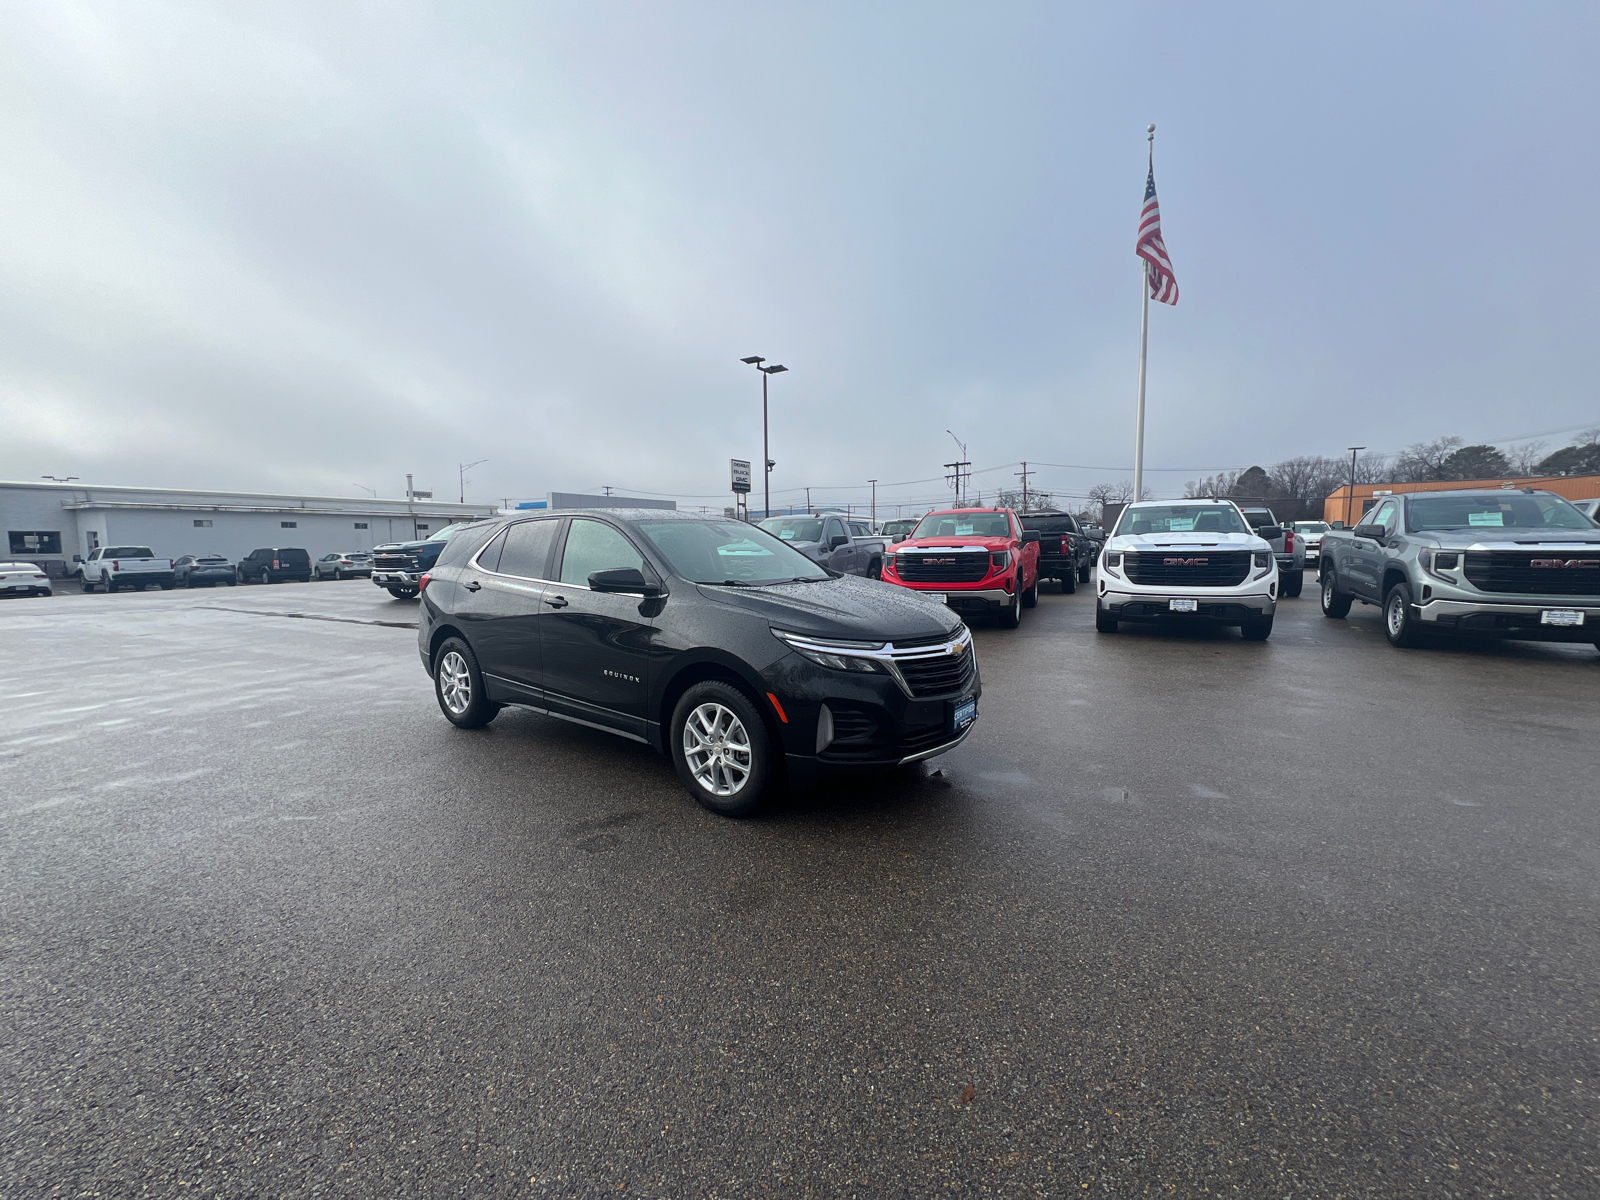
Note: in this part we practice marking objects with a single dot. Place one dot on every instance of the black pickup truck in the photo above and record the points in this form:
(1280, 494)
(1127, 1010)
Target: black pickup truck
(398, 567)
(1065, 551)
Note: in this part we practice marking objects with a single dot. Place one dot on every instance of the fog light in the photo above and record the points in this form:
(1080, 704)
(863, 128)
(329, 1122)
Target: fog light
(824, 728)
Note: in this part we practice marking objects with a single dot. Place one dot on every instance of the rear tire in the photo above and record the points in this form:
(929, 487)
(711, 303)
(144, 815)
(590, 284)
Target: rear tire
(108, 583)
(1258, 630)
(266, 578)
(1335, 604)
(1069, 583)
(1104, 622)
(1292, 584)
(167, 587)
(458, 686)
(727, 763)
(875, 571)
(1083, 573)
(1399, 626)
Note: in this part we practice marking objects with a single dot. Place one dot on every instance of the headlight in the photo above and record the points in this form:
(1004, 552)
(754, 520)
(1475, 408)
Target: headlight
(1000, 559)
(1111, 562)
(1437, 561)
(1263, 559)
(835, 655)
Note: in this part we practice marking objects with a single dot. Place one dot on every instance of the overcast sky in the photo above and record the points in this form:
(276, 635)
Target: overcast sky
(304, 247)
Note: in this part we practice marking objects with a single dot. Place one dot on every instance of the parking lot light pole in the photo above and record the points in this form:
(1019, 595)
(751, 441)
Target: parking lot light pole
(874, 484)
(1350, 496)
(462, 476)
(755, 361)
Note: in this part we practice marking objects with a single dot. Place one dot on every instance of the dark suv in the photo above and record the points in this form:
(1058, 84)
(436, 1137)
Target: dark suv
(274, 565)
(1065, 551)
(710, 640)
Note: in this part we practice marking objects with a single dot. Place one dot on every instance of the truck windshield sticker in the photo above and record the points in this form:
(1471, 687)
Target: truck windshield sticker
(1486, 518)
(1180, 525)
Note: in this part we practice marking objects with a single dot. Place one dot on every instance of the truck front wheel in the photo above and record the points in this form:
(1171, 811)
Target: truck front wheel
(1399, 626)
(1104, 622)
(1335, 604)
(1292, 583)
(1011, 615)
(1258, 629)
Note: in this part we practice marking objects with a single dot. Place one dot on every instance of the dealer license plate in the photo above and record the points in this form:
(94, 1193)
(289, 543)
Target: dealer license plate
(1561, 616)
(937, 597)
(1183, 605)
(965, 713)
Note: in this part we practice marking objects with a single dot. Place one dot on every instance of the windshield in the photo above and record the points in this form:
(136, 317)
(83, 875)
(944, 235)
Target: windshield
(445, 534)
(1311, 527)
(1512, 511)
(728, 552)
(964, 524)
(794, 529)
(1061, 524)
(1181, 518)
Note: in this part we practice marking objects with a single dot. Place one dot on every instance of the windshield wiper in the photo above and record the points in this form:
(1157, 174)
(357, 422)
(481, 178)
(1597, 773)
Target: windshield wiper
(735, 583)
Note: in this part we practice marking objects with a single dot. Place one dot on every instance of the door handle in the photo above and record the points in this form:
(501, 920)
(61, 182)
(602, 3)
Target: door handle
(473, 586)
(556, 601)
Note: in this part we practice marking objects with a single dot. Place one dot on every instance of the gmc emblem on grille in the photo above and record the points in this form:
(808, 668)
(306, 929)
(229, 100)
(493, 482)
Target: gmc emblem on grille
(1184, 562)
(937, 562)
(1576, 564)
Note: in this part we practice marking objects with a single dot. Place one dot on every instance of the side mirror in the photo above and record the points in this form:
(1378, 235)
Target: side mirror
(1029, 535)
(837, 540)
(1375, 532)
(627, 580)
(1271, 532)
(77, 558)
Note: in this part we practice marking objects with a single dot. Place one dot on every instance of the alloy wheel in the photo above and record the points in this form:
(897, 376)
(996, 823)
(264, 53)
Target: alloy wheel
(455, 682)
(717, 748)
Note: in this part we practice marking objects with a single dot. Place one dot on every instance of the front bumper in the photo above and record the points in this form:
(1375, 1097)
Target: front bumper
(1223, 606)
(1519, 621)
(396, 578)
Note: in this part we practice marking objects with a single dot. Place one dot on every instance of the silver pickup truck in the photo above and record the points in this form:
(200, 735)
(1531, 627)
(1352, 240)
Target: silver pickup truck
(1511, 564)
(843, 544)
(1289, 550)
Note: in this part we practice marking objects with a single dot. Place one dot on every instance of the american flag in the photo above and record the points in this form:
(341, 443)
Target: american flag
(1158, 267)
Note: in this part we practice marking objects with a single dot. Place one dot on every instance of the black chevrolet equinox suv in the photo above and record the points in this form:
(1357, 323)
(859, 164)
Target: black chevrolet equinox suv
(710, 640)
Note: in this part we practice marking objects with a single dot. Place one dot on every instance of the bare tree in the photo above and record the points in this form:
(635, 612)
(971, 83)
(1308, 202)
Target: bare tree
(1422, 462)
(1114, 493)
(1308, 477)
(1037, 500)
(1220, 484)
(1525, 459)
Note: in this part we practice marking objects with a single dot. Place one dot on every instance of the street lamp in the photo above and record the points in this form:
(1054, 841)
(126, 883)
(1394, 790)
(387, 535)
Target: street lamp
(1351, 494)
(461, 476)
(874, 484)
(766, 454)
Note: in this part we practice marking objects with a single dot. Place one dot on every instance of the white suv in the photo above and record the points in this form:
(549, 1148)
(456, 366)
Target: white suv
(1187, 560)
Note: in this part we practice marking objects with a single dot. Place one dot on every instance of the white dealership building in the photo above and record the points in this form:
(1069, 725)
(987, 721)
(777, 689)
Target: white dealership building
(49, 523)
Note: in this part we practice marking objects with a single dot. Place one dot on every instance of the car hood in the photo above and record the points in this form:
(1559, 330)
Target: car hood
(955, 543)
(1490, 537)
(1185, 541)
(404, 545)
(847, 607)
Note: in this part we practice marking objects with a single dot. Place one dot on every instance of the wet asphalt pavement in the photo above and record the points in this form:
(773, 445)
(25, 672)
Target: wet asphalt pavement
(1185, 916)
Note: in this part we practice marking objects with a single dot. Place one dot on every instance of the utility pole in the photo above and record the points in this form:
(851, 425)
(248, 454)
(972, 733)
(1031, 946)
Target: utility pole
(808, 502)
(963, 464)
(1350, 496)
(1024, 473)
(606, 487)
(874, 484)
(462, 476)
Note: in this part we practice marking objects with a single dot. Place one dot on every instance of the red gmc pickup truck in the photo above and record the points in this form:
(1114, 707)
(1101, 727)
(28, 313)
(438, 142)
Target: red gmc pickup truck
(978, 560)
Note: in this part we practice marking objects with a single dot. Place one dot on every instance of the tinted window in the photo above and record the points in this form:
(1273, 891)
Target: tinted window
(292, 555)
(834, 528)
(526, 550)
(128, 552)
(592, 546)
(1060, 523)
(794, 529)
(720, 551)
(461, 548)
(859, 529)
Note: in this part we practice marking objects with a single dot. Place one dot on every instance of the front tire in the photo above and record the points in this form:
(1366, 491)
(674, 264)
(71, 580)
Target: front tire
(458, 686)
(1012, 616)
(1292, 584)
(1104, 622)
(1335, 604)
(85, 584)
(1030, 598)
(402, 593)
(721, 748)
(1399, 626)
(1257, 630)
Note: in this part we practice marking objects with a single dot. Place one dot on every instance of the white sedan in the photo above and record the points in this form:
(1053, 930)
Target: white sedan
(24, 579)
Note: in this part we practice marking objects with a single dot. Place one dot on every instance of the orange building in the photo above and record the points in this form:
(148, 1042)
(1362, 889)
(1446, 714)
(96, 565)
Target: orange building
(1336, 507)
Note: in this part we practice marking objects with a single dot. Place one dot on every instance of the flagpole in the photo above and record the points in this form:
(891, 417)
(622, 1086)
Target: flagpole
(1144, 340)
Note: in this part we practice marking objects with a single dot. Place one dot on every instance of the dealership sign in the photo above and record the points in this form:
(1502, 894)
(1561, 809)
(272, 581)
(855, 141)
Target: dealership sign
(741, 474)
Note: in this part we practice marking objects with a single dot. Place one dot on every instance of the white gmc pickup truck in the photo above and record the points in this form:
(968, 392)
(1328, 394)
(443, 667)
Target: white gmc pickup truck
(113, 567)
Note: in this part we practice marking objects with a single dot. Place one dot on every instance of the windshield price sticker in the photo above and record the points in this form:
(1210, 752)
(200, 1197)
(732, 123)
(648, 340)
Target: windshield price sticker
(1183, 605)
(1561, 616)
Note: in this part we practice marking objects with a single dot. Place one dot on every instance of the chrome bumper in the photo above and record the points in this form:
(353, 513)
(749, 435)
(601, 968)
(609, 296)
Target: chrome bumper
(409, 578)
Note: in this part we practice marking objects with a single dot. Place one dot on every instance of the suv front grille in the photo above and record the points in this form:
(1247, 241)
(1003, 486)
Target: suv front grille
(1188, 568)
(940, 675)
(1513, 571)
(941, 566)
(395, 562)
